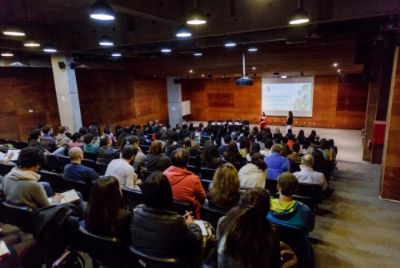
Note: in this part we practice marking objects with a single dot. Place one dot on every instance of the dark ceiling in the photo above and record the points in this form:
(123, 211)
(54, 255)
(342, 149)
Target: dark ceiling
(340, 30)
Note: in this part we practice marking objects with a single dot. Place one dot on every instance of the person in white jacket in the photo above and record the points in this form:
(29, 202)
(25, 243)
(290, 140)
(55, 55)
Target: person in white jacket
(254, 174)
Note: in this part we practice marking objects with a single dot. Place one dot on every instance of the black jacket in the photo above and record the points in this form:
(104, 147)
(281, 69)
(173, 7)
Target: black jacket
(154, 162)
(163, 233)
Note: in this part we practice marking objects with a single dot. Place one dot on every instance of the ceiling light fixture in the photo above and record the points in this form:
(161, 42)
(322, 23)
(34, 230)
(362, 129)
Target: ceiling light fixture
(339, 71)
(183, 32)
(100, 10)
(7, 54)
(284, 76)
(252, 49)
(31, 43)
(191, 71)
(300, 16)
(49, 49)
(335, 64)
(254, 68)
(166, 50)
(197, 54)
(196, 17)
(14, 32)
(116, 55)
(230, 43)
(106, 41)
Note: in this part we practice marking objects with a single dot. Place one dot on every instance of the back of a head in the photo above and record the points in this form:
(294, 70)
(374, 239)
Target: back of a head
(83, 131)
(255, 148)
(62, 129)
(180, 157)
(76, 136)
(227, 138)
(323, 143)
(296, 147)
(268, 143)
(104, 140)
(75, 153)
(30, 157)
(258, 160)
(288, 184)
(156, 147)
(259, 136)
(248, 225)
(46, 129)
(307, 160)
(232, 148)
(88, 138)
(35, 134)
(131, 140)
(157, 192)
(129, 151)
(187, 142)
(226, 185)
(276, 148)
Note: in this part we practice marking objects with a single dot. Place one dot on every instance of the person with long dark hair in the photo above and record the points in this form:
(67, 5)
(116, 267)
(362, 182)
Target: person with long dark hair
(105, 214)
(157, 230)
(245, 237)
(254, 173)
(289, 121)
(210, 157)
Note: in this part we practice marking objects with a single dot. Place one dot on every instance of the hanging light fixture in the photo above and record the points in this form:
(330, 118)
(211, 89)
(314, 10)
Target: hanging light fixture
(230, 43)
(196, 17)
(300, 16)
(49, 49)
(116, 55)
(252, 49)
(31, 43)
(183, 32)
(7, 54)
(14, 31)
(106, 41)
(165, 50)
(197, 54)
(100, 10)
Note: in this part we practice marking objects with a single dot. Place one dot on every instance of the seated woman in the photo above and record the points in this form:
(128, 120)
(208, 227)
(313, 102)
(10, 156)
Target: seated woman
(254, 174)
(90, 144)
(156, 159)
(210, 157)
(225, 189)
(157, 230)
(232, 155)
(255, 148)
(105, 214)
(247, 223)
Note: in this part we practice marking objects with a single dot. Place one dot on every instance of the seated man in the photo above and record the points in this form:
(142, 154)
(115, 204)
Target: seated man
(186, 186)
(276, 163)
(122, 169)
(293, 215)
(294, 158)
(47, 139)
(138, 163)
(308, 175)
(21, 184)
(77, 172)
(106, 151)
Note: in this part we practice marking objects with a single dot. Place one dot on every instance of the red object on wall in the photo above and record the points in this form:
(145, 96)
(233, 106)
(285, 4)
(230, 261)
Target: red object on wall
(379, 132)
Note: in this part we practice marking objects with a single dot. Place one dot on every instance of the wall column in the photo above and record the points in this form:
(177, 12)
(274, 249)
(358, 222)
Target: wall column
(67, 92)
(390, 176)
(174, 93)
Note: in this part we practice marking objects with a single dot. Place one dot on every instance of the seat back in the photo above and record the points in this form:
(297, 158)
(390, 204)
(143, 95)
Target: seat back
(132, 197)
(90, 156)
(194, 161)
(18, 215)
(21, 144)
(105, 251)
(207, 173)
(193, 169)
(271, 186)
(310, 202)
(211, 215)
(311, 190)
(89, 163)
(63, 160)
(206, 184)
(182, 206)
(293, 166)
(78, 186)
(143, 260)
(52, 163)
(55, 180)
(145, 148)
(5, 168)
(146, 173)
(101, 168)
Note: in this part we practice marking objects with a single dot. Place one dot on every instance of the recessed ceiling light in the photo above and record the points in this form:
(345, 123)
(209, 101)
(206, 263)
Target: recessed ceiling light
(300, 16)
(183, 32)
(196, 17)
(254, 67)
(116, 55)
(252, 49)
(339, 70)
(230, 43)
(31, 43)
(283, 76)
(7, 54)
(101, 11)
(49, 49)
(203, 75)
(335, 64)
(166, 50)
(190, 71)
(106, 41)
(197, 54)
(14, 32)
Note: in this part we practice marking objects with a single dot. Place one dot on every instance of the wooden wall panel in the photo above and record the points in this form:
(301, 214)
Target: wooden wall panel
(247, 101)
(390, 182)
(24, 89)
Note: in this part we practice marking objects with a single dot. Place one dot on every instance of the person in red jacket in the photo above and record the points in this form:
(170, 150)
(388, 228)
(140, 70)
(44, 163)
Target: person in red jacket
(186, 185)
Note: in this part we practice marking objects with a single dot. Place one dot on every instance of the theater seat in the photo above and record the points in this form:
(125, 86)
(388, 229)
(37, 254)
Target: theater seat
(55, 180)
(78, 186)
(101, 168)
(271, 186)
(311, 190)
(132, 197)
(182, 206)
(18, 215)
(5, 168)
(211, 215)
(141, 259)
(207, 173)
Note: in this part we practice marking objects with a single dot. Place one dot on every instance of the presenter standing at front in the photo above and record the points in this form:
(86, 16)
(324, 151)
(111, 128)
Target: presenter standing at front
(289, 121)
(262, 122)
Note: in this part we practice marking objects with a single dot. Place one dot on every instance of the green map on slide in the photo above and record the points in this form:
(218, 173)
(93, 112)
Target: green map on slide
(303, 99)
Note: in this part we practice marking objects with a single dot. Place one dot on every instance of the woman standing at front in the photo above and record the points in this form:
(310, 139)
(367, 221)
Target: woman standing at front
(289, 121)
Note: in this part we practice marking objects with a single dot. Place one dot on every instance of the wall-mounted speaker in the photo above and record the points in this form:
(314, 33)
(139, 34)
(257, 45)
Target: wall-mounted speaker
(61, 64)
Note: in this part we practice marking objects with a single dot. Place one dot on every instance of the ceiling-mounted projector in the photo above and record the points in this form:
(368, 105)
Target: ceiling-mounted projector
(244, 80)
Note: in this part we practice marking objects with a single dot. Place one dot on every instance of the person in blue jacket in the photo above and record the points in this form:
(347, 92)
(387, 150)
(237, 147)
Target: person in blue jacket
(276, 163)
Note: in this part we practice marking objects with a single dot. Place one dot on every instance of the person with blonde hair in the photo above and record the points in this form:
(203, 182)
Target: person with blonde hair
(225, 190)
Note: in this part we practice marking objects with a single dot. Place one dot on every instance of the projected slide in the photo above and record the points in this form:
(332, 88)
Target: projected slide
(291, 94)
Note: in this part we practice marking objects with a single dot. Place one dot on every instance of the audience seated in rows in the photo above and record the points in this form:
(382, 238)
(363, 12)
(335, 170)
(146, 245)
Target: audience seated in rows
(76, 141)
(157, 230)
(258, 246)
(210, 157)
(123, 170)
(254, 173)
(47, 140)
(276, 163)
(75, 171)
(186, 185)
(224, 192)
(156, 159)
